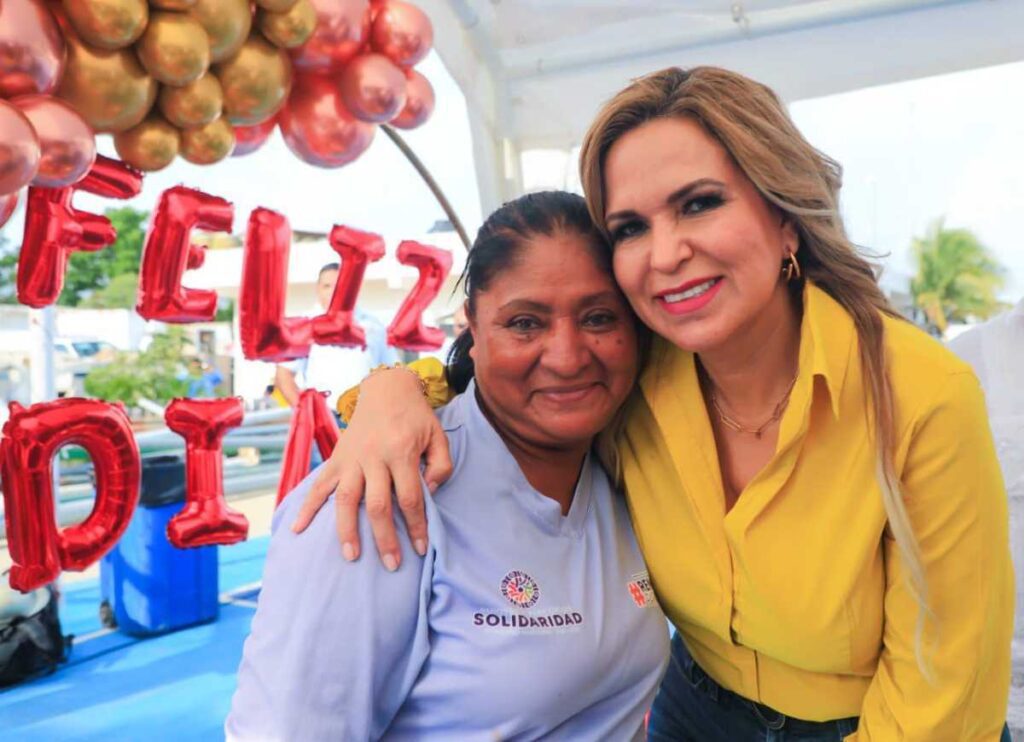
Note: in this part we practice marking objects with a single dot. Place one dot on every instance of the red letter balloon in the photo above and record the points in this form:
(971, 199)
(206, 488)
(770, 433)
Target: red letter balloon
(407, 329)
(31, 437)
(206, 518)
(54, 229)
(169, 251)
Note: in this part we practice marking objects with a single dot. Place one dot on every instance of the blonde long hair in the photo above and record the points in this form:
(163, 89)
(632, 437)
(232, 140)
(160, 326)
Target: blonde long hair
(750, 121)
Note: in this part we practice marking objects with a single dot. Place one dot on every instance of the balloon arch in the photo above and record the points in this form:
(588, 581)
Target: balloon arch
(203, 79)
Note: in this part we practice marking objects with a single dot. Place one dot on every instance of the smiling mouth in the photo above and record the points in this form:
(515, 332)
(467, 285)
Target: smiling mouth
(573, 393)
(691, 293)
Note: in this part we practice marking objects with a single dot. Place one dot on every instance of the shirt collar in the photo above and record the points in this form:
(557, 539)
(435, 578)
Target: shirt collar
(827, 337)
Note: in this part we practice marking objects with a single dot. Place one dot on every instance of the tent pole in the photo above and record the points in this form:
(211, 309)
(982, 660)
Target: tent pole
(429, 180)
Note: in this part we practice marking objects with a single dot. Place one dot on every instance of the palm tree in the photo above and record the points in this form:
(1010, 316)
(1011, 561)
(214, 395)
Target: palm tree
(957, 277)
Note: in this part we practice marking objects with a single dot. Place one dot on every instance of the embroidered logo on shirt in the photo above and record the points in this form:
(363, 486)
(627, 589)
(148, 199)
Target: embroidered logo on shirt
(520, 589)
(640, 590)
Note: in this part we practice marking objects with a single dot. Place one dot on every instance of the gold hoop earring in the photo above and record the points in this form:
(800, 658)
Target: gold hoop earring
(790, 267)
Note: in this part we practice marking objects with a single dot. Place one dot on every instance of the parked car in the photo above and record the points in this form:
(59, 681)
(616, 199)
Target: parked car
(73, 359)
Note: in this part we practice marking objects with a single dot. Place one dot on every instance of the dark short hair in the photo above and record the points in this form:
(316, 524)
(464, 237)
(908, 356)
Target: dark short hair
(498, 245)
(328, 267)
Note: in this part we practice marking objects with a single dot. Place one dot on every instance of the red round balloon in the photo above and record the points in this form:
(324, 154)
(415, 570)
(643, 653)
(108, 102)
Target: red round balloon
(19, 149)
(248, 139)
(66, 141)
(342, 29)
(419, 102)
(373, 88)
(318, 127)
(402, 32)
(32, 50)
(8, 204)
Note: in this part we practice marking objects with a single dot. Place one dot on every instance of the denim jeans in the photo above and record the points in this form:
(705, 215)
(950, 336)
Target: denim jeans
(692, 706)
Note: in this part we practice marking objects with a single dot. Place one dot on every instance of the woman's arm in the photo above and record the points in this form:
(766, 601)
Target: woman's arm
(391, 429)
(335, 647)
(957, 505)
(284, 380)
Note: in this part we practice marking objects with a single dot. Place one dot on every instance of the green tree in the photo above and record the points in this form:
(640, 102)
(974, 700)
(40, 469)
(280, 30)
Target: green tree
(88, 273)
(118, 294)
(91, 272)
(156, 374)
(957, 277)
(8, 266)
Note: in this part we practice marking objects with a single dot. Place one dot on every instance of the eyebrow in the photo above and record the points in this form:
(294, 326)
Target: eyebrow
(521, 305)
(675, 197)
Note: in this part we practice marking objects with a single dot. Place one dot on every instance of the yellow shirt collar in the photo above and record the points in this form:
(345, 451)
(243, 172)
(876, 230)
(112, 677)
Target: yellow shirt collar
(827, 339)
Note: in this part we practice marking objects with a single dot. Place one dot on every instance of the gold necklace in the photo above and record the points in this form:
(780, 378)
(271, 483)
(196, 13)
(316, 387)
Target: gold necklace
(733, 424)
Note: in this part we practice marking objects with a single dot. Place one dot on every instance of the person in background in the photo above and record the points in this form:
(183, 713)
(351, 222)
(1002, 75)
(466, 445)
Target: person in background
(459, 324)
(995, 350)
(331, 368)
(203, 378)
(459, 321)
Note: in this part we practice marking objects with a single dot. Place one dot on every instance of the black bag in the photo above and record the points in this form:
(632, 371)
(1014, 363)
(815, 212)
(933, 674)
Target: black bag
(32, 644)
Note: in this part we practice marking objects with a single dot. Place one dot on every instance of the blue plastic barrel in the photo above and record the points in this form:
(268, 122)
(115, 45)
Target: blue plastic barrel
(151, 586)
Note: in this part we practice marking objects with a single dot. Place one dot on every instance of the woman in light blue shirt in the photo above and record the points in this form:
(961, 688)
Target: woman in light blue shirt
(531, 615)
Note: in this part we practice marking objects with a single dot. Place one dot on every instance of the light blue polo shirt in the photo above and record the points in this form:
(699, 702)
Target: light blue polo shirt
(519, 624)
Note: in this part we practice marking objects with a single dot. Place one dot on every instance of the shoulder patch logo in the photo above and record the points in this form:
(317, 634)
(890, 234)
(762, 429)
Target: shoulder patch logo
(641, 590)
(520, 589)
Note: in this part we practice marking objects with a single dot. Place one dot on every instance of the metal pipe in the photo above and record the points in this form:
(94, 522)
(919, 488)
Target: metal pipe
(435, 189)
(75, 509)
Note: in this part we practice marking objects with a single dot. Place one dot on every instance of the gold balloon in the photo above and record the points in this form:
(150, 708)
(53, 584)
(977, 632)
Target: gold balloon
(227, 23)
(174, 48)
(170, 4)
(256, 82)
(208, 144)
(291, 28)
(276, 6)
(108, 24)
(152, 145)
(108, 88)
(195, 104)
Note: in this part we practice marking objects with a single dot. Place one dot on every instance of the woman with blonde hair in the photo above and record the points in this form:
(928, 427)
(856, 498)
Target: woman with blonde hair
(812, 479)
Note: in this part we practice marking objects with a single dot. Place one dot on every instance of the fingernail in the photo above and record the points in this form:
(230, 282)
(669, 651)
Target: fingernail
(348, 551)
(432, 486)
(390, 563)
(421, 546)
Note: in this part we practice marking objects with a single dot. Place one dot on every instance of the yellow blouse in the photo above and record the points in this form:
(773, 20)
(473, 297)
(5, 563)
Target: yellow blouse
(797, 598)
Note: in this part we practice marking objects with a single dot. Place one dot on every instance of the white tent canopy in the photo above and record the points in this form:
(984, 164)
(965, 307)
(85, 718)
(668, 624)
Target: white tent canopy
(535, 71)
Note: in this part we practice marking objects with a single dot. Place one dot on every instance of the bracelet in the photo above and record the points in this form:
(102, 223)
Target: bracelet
(424, 388)
(429, 371)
